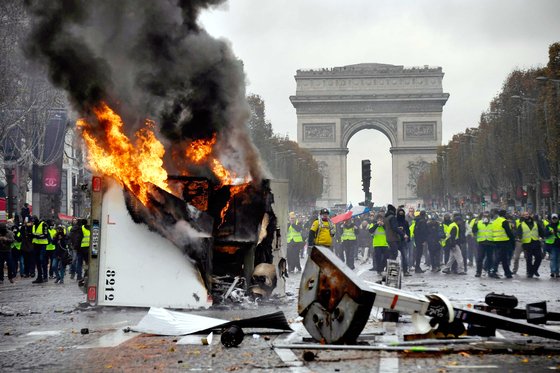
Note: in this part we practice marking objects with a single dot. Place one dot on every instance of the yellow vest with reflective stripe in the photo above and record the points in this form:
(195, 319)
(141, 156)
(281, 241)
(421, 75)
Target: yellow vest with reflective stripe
(380, 238)
(485, 232)
(39, 241)
(528, 233)
(412, 226)
(550, 239)
(85, 238)
(446, 230)
(50, 246)
(348, 234)
(294, 235)
(498, 232)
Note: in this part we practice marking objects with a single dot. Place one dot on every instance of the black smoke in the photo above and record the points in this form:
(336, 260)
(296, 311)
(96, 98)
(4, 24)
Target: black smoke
(148, 59)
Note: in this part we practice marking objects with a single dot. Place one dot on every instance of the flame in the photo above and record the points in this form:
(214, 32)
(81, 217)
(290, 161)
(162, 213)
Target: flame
(200, 151)
(135, 165)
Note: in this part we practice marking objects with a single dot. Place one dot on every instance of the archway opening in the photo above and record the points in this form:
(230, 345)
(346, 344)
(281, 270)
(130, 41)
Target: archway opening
(373, 145)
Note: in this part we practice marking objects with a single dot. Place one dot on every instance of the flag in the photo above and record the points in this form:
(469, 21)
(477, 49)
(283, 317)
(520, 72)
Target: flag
(359, 210)
(342, 217)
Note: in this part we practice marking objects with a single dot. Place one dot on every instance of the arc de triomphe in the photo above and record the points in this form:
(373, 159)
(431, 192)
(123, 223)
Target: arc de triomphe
(405, 104)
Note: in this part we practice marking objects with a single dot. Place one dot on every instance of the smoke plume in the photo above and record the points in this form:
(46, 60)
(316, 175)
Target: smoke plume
(148, 59)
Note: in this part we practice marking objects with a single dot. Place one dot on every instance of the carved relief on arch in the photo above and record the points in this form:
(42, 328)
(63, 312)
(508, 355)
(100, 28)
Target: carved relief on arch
(387, 125)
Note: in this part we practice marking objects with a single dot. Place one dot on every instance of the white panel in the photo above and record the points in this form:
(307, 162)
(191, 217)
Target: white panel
(140, 268)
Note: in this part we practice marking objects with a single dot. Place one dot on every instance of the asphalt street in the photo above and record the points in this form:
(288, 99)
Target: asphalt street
(49, 328)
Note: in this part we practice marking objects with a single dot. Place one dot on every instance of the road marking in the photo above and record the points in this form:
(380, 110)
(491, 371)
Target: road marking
(288, 356)
(388, 361)
(472, 366)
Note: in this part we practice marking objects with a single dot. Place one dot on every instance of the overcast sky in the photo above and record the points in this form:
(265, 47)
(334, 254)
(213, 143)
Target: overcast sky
(476, 42)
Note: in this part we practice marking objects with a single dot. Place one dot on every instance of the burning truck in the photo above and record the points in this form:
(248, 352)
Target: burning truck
(181, 197)
(175, 252)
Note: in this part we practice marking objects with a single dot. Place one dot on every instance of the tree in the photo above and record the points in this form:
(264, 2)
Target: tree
(284, 159)
(27, 101)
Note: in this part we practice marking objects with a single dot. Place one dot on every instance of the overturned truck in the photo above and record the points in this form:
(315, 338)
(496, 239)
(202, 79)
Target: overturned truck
(170, 251)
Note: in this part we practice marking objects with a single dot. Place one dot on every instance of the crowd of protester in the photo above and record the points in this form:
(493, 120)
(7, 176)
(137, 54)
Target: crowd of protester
(42, 250)
(489, 243)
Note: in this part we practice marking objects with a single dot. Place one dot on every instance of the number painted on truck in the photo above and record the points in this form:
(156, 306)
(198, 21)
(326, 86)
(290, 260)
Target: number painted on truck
(95, 239)
(110, 281)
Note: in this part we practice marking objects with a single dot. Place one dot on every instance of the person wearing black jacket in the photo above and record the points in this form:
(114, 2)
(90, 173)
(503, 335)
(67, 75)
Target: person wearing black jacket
(6, 239)
(402, 226)
(420, 239)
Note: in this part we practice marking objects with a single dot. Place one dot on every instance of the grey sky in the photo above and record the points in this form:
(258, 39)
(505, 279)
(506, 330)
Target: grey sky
(477, 43)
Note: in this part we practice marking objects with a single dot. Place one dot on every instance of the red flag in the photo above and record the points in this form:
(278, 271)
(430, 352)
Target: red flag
(342, 217)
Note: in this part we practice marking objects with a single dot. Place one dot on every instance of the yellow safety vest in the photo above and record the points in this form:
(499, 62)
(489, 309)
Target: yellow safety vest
(485, 232)
(39, 241)
(528, 233)
(348, 234)
(294, 235)
(85, 238)
(50, 246)
(16, 244)
(550, 239)
(447, 231)
(412, 226)
(498, 232)
(380, 238)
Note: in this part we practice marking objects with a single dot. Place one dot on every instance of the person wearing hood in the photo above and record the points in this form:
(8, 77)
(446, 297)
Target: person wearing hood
(397, 232)
(420, 239)
(530, 232)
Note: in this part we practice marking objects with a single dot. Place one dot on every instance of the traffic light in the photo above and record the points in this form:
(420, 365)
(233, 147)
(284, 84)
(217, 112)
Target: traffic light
(483, 200)
(366, 175)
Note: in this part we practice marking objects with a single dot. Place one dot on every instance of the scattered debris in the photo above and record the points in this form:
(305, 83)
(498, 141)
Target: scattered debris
(164, 322)
(308, 356)
(232, 336)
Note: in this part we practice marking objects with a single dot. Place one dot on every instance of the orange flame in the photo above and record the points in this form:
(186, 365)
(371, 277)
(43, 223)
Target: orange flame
(201, 150)
(134, 165)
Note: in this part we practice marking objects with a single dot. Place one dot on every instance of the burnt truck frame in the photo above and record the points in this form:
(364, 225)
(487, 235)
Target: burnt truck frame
(132, 264)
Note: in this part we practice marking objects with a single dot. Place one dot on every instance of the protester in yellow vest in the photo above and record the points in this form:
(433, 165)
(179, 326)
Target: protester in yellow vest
(380, 245)
(552, 244)
(349, 242)
(49, 251)
(504, 242)
(295, 243)
(322, 230)
(452, 245)
(530, 232)
(483, 231)
(40, 241)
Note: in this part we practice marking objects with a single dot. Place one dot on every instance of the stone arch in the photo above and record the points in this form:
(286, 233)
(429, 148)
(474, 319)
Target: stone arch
(387, 126)
(405, 104)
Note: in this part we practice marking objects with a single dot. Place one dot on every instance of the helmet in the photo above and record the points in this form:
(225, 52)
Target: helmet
(324, 211)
